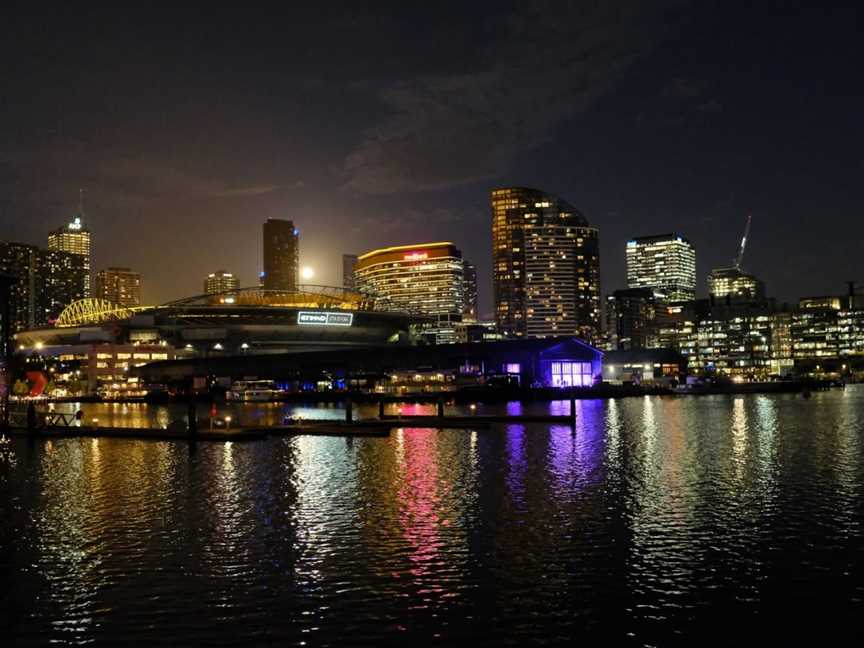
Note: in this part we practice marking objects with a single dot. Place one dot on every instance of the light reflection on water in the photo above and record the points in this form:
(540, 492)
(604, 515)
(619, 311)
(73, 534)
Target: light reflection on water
(650, 521)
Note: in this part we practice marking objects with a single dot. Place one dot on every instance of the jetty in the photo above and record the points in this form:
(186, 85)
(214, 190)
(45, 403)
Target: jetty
(52, 425)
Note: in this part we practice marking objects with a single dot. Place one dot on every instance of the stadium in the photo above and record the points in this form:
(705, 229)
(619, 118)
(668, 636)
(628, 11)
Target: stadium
(246, 320)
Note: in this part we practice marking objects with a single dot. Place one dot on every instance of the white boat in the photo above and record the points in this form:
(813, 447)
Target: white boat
(253, 390)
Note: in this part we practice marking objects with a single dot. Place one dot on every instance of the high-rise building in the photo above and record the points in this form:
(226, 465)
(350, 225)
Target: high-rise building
(349, 262)
(630, 319)
(281, 255)
(219, 282)
(732, 283)
(424, 279)
(119, 286)
(469, 290)
(48, 281)
(665, 263)
(545, 266)
(74, 238)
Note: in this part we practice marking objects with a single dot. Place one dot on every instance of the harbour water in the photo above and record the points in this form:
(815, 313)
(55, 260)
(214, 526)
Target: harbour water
(657, 521)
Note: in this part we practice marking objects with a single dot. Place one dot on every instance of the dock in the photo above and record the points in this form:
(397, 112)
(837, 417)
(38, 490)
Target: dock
(381, 426)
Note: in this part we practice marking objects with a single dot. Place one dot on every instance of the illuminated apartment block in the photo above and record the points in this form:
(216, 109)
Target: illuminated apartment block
(545, 266)
(119, 286)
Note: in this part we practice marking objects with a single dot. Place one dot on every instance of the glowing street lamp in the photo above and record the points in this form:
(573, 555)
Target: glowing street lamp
(307, 273)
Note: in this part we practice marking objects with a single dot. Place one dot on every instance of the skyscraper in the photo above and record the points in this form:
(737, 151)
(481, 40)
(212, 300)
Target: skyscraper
(48, 281)
(631, 318)
(281, 255)
(349, 262)
(74, 238)
(469, 289)
(219, 282)
(119, 286)
(665, 263)
(545, 266)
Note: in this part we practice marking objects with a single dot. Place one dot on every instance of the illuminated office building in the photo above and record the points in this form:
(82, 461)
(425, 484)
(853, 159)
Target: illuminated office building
(349, 262)
(281, 255)
(545, 266)
(469, 286)
(666, 264)
(732, 283)
(119, 286)
(74, 238)
(47, 282)
(425, 279)
(219, 282)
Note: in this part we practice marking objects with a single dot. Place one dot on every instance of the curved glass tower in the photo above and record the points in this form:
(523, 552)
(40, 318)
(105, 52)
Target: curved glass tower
(545, 266)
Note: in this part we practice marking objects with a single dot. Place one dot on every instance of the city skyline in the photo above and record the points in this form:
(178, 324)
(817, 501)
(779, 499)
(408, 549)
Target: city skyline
(485, 294)
(660, 141)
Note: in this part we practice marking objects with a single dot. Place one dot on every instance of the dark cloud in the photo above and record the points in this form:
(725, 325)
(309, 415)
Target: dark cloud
(549, 62)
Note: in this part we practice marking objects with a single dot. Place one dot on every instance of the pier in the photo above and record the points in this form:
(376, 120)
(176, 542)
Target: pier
(52, 426)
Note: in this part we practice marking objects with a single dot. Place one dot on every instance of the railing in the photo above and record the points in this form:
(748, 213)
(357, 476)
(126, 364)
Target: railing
(50, 418)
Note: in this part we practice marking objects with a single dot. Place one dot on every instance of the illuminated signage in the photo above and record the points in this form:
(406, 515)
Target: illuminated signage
(76, 224)
(314, 318)
(416, 256)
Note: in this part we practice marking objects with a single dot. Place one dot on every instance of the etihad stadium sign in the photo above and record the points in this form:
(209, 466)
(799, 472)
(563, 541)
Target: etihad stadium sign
(317, 318)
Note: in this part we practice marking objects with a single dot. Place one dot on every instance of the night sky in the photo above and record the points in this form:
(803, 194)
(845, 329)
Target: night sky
(375, 124)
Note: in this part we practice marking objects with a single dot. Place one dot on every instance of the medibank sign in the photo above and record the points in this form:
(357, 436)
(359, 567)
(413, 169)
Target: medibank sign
(316, 318)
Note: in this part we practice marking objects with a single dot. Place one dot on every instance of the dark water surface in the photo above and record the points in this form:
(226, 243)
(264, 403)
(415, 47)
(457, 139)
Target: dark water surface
(675, 520)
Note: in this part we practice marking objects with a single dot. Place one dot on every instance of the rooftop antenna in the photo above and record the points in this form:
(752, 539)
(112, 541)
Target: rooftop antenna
(81, 205)
(740, 258)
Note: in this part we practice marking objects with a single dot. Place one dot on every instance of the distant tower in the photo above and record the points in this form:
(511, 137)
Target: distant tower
(74, 238)
(281, 242)
(119, 286)
(349, 261)
(665, 263)
(469, 290)
(220, 282)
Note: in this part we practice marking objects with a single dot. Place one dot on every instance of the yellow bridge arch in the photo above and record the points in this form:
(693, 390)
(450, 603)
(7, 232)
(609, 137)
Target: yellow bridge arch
(93, 311)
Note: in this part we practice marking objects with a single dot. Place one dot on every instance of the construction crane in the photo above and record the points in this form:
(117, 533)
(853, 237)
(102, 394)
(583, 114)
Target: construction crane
(740, 258)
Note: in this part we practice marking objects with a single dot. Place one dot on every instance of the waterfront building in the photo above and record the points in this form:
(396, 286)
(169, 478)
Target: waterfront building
(780, 341)
(469, 289)
(47, 281)
(281, 255)
(349, 262)
(119, 286)
(643, 366)
(103, 368)
(664, 263)
(415, 368)
(422, 279)
(631, 318)
(545, 266)
(827, 337)
(732, 283)
(219, 282)
(74, 238)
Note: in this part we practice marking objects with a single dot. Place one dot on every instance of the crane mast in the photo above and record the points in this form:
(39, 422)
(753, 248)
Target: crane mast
(740, 258)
